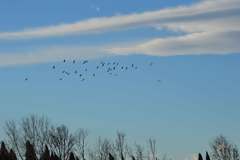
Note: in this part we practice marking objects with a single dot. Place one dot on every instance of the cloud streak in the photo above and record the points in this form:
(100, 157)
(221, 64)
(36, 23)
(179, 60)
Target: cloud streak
(208, 27)
(50, 54)
(206, 9)
(219, 43)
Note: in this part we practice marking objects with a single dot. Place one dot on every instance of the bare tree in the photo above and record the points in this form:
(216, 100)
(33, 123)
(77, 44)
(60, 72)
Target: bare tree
(14, 138)
(61, 141)
(139, 152)
(223, 150)
(104, 147)
(80, 139)
(33, 129)
(121, 146)
(152, 149)
(36, 130)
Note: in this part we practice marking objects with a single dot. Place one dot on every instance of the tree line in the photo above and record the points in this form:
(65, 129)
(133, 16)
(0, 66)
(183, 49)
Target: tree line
(35, 138)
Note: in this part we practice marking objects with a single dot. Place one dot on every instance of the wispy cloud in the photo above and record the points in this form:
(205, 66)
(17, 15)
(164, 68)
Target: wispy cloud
(192, 44)
(50, 54)
(206, 9)
(208, 27)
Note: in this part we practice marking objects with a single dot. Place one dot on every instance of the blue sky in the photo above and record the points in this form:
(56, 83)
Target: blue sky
(193, 48)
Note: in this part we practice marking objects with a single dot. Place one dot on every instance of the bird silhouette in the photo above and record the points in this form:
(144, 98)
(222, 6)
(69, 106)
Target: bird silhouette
(26, 79)
(67, 73)
(102, 63)
(84, 62)
(53, 67)
(64, 61)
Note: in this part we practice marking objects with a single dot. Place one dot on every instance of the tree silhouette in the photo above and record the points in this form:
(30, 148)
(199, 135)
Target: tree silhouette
(4, 155)
(71, 157)
(46, 154)
(207, 156)
(30, 152)
(12, 155)
(111, 156)
(222, 149)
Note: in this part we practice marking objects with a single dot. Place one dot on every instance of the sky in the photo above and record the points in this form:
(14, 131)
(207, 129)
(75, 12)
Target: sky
(188, 96)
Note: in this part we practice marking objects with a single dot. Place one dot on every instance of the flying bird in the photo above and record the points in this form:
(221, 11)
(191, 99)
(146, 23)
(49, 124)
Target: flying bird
(67, 73)
(102, 63)
(84, 62)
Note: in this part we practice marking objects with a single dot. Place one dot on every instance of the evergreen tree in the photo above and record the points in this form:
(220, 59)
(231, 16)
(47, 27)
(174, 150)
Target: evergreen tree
(46, 154)
(30, 152)
(207, 156)
(4, 155)
(111, 156)
(71, 157)
(200, 156)
(54, 156)
(12, 155)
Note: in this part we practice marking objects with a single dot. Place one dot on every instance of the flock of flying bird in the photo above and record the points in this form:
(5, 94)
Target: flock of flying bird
(111, 68)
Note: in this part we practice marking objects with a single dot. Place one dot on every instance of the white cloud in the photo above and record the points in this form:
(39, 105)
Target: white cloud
(50, 54)
(203, 10)
(192, 44)
(209, 27)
